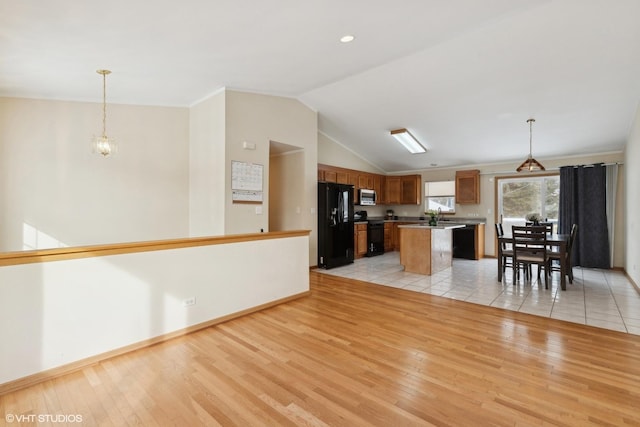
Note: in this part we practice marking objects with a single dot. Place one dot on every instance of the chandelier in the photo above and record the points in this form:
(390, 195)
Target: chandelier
(530, 164)
(103, 144)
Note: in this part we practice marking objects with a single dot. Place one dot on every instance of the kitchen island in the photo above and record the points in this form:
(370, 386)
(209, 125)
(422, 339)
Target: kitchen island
(426, 249)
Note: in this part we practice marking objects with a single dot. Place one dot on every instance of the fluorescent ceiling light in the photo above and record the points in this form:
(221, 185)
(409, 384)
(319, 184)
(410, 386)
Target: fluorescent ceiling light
(408, 141)
(347, 38)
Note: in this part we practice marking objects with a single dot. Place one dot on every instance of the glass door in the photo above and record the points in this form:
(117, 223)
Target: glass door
(520, 196)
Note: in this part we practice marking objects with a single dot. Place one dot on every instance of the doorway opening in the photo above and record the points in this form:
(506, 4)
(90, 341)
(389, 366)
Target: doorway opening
(286, 186)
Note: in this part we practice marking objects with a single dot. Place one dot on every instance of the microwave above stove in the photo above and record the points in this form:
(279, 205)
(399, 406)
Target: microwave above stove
(366, 197)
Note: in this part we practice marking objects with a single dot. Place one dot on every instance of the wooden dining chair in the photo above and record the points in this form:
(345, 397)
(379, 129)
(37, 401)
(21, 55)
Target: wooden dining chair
(555, 256)
(507, 252)
(546, 224)
(530, 248)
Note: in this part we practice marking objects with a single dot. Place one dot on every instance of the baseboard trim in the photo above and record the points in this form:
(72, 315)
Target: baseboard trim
(50, 374)
(635, 285)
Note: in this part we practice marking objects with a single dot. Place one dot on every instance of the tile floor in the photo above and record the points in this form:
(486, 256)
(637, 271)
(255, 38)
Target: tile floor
(601, 298)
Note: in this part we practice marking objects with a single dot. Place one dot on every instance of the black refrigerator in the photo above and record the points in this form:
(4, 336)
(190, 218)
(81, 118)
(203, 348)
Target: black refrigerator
(335, 224)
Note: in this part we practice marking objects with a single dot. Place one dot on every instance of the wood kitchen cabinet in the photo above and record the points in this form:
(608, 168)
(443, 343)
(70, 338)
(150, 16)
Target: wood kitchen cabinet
(393, 189)
(410, 189)
(479, 241)
(365, 180)
(468, 187)
(360, 240)
(395, 235)
(388, 237)
(378, 186)
(403, 190)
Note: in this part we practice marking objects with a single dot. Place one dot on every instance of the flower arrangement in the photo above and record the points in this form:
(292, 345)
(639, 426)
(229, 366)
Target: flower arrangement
(433, 214)
(534, 217)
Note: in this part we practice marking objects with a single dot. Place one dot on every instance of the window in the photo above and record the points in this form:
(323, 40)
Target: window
(440, 196)
(446, 204)
(518, 197)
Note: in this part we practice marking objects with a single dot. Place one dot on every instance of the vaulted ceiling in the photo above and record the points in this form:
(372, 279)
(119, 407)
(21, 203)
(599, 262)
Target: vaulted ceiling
(462, 75)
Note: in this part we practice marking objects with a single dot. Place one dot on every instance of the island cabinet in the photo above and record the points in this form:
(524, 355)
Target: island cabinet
(425, 250)
(468, 187)
(395, 234)
(360, 240)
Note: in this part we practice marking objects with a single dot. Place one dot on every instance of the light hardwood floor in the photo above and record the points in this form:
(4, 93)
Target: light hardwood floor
(352, 354)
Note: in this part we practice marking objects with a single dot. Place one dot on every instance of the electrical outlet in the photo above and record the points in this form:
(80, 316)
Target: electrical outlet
(189, 301)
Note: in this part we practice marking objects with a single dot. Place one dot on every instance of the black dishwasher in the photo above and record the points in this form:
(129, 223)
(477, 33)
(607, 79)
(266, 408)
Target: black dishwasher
(375, 238)
(464, 242)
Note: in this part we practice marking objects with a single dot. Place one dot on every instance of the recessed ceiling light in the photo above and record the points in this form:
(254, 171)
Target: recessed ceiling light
(347, 38)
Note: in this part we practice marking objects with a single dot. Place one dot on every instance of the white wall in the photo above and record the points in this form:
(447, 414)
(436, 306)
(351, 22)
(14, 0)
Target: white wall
(632, 198)
(332, 153)
(207, 167)
(56, 313)
(260, 119)
(50, 180)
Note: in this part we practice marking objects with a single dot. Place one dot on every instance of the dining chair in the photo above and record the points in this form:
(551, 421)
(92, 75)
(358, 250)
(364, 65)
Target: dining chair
(548, 225)
(529, 245)
(555, 256)
(507, 252)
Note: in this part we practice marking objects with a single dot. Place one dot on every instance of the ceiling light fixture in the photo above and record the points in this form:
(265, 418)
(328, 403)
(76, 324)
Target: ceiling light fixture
(408, 141)
(347, 38)
(103, 144)
(530, 164)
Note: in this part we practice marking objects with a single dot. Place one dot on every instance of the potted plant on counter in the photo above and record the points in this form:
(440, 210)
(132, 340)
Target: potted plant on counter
(433, 216)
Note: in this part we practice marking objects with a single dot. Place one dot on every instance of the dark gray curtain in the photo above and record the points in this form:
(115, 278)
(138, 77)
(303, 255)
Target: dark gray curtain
(583, 201)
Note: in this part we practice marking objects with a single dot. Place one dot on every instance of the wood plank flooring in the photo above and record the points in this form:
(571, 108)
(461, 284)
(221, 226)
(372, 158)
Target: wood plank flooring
(356, 354)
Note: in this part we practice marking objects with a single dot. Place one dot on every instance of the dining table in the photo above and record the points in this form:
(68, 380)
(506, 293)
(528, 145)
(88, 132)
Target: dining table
(559, 242)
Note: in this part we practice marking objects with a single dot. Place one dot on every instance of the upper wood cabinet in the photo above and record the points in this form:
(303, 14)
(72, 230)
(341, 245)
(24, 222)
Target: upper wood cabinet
(403, 190)
(468, 187)
(410, 186)
(379, 185)
(390, 190)
(393, 190)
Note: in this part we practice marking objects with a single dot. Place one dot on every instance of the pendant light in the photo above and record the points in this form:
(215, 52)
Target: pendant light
(530, 164)
(104, 145)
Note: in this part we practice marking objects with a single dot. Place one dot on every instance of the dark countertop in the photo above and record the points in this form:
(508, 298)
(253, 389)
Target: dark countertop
(447, 220)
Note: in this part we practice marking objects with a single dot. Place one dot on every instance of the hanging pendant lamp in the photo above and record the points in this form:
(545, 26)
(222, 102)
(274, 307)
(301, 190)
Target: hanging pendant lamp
(531, 164)
(104, 145)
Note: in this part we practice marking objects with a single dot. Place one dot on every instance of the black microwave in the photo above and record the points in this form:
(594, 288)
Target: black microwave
(367, 197)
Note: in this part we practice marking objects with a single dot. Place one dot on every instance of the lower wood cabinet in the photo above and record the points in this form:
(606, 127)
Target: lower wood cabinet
(360, 240)
(388, 237)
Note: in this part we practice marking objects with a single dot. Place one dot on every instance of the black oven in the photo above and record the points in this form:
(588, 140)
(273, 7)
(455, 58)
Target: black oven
(375, 238)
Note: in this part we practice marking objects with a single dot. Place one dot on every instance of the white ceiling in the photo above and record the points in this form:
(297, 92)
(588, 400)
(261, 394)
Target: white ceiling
(462, 75)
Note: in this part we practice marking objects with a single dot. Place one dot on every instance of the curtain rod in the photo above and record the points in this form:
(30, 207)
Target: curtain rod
(594, 164)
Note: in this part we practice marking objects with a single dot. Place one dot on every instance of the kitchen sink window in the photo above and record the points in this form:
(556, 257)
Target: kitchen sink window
(519, 197)
(440, 196)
